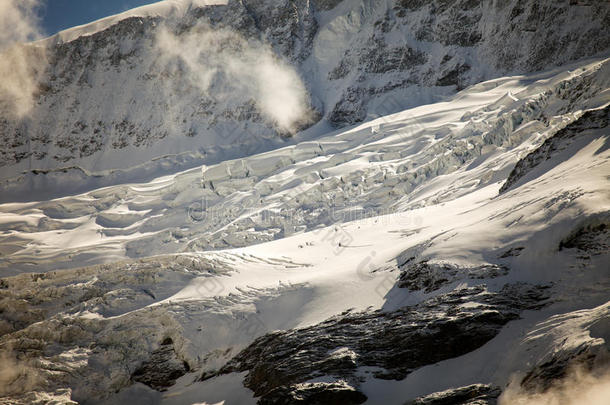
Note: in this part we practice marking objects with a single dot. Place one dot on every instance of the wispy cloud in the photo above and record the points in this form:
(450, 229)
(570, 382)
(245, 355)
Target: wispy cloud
(234, 70)
(20, 65)
(16, 377)
(580, 386)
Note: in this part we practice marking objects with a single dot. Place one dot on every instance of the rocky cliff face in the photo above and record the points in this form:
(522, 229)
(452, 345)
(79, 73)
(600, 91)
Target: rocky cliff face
(116, 98)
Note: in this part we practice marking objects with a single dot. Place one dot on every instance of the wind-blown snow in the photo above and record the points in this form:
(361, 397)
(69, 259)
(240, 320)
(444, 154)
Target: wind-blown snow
(21, 65)
(249, 70)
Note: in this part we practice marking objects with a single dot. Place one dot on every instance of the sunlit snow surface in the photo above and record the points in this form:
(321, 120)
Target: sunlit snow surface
(167, 8)
(293, 236)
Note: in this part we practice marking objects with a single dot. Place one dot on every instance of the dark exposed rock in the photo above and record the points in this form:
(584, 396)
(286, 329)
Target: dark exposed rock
(380, 59)
(475, 394)
(592, 237)
(342, 69)
(461, 23)
(453, 77)
(590, 120)
(326, 4)
(289, 25)
(335, 393)
(516, 251)
(162, 369)
(580, 347)
(450, 22)
(432, 276)
(351, 108)
(545, 375)
(395, 342)
(542, 377)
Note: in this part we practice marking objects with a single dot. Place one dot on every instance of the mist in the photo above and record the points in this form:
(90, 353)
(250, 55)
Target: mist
(16, 377)
(234, 70)
(20, 65)
(580, 386)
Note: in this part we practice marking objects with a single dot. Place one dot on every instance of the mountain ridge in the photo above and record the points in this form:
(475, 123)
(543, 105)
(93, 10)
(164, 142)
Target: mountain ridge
(359, 80)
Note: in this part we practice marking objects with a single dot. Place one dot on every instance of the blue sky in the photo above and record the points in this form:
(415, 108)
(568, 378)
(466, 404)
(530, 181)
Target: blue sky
(57, 15)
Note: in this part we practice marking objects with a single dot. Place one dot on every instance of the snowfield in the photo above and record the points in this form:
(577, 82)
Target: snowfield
(307, 232)
(454, 251)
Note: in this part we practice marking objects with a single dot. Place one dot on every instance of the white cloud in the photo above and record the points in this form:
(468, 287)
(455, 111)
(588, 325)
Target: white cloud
(16, 377)
(20, 65)
(18, 22)
(579, 387)
(235, 70)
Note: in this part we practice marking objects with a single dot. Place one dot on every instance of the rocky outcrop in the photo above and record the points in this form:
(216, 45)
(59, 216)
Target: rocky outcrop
(590, 120)
(162, 368)
(335, 393)
(429, 277)
(568, 349)
(592, 237)
(395, 343)
(543, 376)
(475, 394)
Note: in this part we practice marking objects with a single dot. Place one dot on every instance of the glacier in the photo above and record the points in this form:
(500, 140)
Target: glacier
(431, 227)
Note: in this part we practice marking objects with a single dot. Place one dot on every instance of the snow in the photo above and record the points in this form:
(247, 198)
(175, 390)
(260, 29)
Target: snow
(222, 390)
(165, 8)
(370, 156)
(409, 190)
(130, 71)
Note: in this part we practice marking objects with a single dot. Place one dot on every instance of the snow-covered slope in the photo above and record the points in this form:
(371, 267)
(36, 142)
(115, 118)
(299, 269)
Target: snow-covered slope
(395, 163)
(156, 90)
(372, 247)
(162, 9)
(185, 217)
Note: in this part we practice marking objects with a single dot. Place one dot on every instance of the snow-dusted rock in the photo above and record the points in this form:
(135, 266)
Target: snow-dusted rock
(475, 394)
(391, 343)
